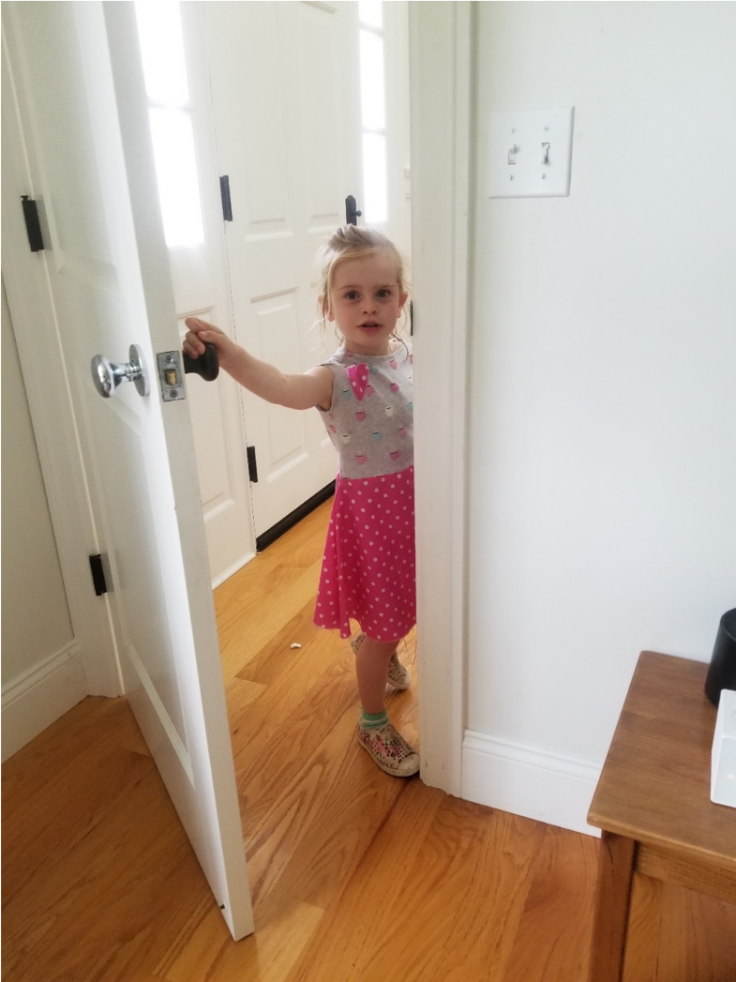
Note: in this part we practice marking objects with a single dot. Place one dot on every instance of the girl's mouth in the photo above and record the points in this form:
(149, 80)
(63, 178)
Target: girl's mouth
(370, 326)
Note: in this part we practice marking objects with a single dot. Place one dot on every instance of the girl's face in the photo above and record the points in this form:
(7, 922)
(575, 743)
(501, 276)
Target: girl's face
(366, 303)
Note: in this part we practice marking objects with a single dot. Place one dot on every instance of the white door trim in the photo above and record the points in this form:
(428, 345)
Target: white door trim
(440, 56)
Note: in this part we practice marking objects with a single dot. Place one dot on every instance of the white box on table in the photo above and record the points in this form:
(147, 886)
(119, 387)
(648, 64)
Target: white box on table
(723, 756)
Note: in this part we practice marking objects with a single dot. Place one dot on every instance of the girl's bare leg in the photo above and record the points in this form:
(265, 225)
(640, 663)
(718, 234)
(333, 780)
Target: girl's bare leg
(371, 666)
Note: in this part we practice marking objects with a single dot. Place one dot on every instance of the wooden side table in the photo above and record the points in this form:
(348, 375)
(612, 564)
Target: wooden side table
(653, 802)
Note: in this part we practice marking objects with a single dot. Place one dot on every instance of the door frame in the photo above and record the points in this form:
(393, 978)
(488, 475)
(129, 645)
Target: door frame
(440, 43)
(441, 50)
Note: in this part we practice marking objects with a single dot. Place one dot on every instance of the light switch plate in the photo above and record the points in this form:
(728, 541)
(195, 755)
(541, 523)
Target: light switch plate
(530, 153)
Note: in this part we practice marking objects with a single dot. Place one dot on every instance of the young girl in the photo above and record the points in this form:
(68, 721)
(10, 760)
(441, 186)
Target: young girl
(364, 395)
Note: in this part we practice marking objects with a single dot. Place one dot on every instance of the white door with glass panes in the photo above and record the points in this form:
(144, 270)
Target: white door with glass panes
(77, 141)
(180, 113)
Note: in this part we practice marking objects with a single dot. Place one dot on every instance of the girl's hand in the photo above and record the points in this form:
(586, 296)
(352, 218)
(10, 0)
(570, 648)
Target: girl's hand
(202, 331)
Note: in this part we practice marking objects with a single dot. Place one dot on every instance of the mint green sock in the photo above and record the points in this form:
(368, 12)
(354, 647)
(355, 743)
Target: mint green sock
(373, 721)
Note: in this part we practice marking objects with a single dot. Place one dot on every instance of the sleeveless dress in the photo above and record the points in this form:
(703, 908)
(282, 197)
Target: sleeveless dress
(368, 569)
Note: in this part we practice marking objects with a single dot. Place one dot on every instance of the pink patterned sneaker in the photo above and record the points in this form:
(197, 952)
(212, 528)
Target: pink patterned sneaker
(389, 750)
(398, 675)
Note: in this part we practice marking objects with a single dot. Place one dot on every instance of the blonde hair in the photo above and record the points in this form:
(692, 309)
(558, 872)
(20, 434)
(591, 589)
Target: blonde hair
(351, 242)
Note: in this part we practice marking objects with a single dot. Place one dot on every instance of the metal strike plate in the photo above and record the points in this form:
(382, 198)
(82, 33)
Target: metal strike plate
(171, 375)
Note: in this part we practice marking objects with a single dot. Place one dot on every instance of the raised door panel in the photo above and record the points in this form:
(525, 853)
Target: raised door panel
(278, 331)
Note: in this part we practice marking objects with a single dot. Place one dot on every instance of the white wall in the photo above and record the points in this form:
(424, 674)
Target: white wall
(602, 493)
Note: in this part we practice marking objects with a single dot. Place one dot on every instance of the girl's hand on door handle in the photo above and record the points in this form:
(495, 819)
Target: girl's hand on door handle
(202, 332)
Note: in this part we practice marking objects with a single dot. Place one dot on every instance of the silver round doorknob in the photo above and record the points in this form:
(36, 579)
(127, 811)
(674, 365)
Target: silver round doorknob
(107, 376)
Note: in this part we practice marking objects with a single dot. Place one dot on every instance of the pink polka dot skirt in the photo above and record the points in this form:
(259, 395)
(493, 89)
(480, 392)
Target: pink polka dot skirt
(368, 570)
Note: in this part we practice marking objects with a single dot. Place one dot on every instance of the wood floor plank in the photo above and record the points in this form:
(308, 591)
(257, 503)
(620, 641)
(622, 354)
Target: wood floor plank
(267, 956)
(398, 917)
(92, 911)
(303, 708)
(299, 549)
(262, 597)
(492, 910)
(253, 599)
(241, 694)
(308, 672)
(281, 753)
(37, 846)
(553, 939)
(352, 929)
(31, 767)
(254, 627)
(31, 843)
(431, 901)
(277, 656)
(322, 818)
(445, 874)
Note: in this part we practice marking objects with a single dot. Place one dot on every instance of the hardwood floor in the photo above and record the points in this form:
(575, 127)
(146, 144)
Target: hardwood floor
(356, 876)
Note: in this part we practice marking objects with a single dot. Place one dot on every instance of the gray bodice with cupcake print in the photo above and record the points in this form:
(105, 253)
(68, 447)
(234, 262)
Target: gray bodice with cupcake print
(370, 421)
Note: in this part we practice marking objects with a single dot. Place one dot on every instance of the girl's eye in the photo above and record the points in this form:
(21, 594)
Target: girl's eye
(384, 293)
(351, 295)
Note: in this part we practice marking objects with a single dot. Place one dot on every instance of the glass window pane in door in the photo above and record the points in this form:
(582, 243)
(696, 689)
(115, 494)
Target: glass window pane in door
(371, 12)
(162, 50)
(372, 88)
(374, 177)
(176, 170)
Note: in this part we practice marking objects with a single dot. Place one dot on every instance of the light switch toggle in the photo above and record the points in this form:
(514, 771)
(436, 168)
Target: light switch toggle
(545, 158)
(512, 154)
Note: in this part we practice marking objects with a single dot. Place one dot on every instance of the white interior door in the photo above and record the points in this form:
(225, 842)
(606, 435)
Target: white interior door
(284, 80)
(78, 124)
(179, 99)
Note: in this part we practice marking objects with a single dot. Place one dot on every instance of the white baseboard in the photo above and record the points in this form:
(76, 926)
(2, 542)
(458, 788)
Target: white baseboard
(547, 787)
(219, 580)
(38, 698)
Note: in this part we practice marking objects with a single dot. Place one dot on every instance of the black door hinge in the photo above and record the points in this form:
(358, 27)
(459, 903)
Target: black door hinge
(351, 211)
(252, 465)
(33, 225)
(98, 575)
(227, 204)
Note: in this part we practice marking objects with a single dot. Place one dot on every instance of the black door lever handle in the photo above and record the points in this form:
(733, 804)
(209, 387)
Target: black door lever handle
(207, 365)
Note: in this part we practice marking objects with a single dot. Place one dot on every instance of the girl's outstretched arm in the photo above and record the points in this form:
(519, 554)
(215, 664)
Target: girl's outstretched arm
(314, 388)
